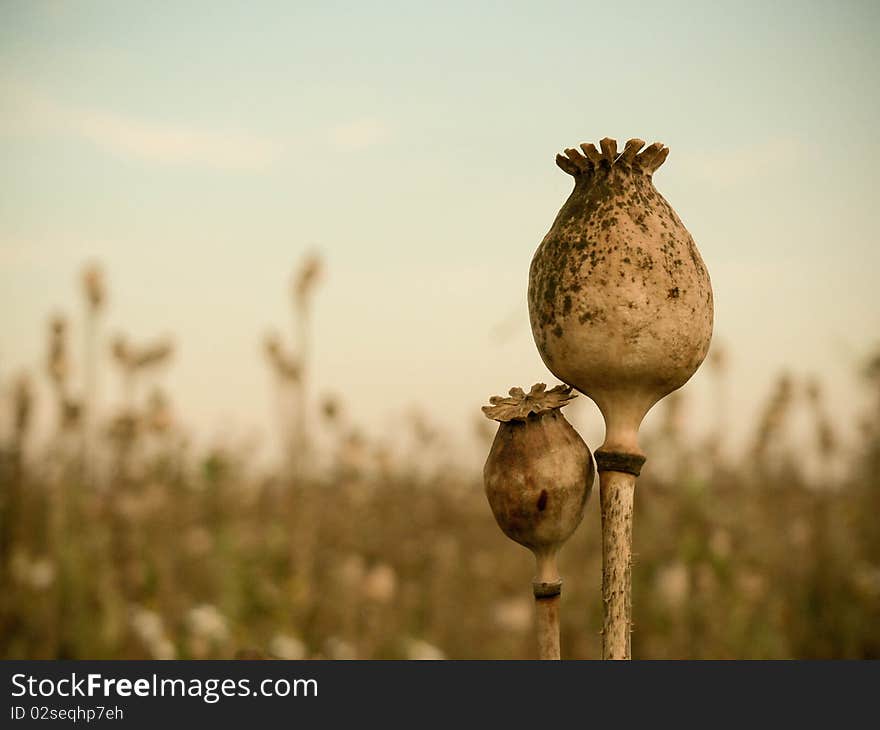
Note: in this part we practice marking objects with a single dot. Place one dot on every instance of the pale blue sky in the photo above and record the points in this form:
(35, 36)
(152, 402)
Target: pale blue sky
(198, 149)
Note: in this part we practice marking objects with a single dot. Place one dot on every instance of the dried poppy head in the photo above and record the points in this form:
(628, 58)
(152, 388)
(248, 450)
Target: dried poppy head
(539, 473)
(619, 299)
(538, 478)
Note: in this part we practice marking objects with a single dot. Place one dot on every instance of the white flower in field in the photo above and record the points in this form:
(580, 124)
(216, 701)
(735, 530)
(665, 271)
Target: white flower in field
(339, 649)
(163, 649)
(149, 628)
(380, 584)
(41, 574)
(147, 625)
(514, 614)
(673, 584)
(206, 622)
(284, 646)
(417, 649)
(36, 573)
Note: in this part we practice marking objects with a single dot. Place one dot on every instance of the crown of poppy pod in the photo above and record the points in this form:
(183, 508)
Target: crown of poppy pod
(519, 405)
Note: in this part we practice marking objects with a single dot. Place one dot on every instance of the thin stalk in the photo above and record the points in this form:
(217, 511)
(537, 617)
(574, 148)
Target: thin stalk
(281, 405)
(303, 346)
(547, 613)
(128, 389)
(91, 384)
(616, 491)
(547, 589)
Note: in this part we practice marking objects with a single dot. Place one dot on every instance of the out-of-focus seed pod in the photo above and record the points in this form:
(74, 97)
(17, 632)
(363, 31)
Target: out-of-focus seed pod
(58, 363)
(123, 429)
(538, 477)
(306, 278)
(159, 417)
(95, 297)
(121, 351)
(93, 286)
(71, 414)
(22, 408)
(155, 354)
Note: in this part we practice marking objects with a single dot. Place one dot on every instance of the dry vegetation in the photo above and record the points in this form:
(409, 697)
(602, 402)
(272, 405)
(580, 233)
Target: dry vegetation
(117, 541)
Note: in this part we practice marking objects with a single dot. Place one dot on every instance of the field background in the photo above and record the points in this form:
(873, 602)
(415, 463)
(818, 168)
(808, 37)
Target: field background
(123, 539)
(261, 264)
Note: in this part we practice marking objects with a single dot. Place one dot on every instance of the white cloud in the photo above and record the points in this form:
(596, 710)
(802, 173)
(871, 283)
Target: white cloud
(26, 111)
(358, 134)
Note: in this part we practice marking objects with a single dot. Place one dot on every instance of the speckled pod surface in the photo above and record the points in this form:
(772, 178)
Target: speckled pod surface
(620, 301)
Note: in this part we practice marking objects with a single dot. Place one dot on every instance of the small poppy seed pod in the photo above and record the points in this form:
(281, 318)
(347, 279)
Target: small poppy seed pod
(539, 472)
(538, 477)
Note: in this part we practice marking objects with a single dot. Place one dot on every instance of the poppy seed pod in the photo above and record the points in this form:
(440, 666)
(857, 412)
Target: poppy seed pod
(620, 301)
(538, 477)
(539, 473)
(621, 308)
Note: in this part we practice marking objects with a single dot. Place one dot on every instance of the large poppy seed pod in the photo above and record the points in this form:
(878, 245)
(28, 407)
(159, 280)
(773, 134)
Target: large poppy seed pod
(539, 473)
(619, 299)
(538, 478)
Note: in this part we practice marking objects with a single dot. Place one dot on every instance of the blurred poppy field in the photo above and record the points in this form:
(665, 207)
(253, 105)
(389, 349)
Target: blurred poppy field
(121, 539)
